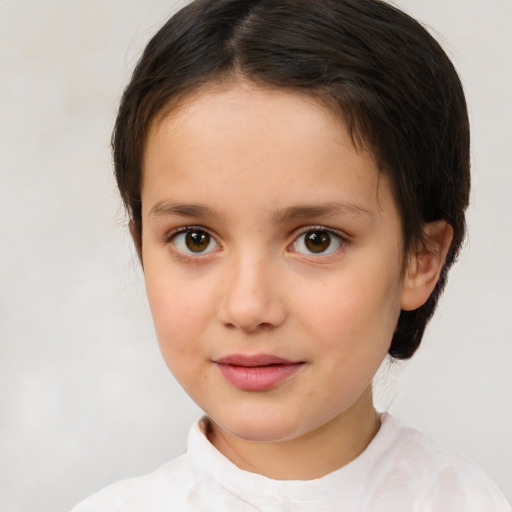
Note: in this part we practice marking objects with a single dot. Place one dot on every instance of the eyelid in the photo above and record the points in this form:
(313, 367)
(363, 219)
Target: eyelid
(183, 229)
(313, 227)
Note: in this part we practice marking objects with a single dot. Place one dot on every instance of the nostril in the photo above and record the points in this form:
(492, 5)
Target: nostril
(265, 326)
(260, 327)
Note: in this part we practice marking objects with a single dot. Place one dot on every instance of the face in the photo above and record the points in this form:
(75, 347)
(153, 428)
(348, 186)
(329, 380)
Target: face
(272, 258)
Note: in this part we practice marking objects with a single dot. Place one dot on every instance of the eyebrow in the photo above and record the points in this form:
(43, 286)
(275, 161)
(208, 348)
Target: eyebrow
(165, 208)
(322, 210)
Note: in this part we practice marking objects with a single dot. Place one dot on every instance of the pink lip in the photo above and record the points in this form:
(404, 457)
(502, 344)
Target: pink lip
(257, 373)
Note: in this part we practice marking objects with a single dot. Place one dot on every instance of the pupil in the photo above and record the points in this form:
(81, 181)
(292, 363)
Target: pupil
(318, 241)
(197, 241)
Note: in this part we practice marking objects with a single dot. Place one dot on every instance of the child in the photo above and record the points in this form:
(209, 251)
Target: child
(296, 174)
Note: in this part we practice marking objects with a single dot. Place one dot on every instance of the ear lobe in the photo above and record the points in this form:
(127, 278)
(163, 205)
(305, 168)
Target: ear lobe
(425, 264)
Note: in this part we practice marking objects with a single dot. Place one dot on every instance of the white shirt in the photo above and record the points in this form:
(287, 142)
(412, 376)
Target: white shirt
(400, 471)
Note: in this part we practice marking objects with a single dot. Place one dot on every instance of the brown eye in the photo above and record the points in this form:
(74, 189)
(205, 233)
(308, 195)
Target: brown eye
(318, 242)
(194, 241)
(197, 241)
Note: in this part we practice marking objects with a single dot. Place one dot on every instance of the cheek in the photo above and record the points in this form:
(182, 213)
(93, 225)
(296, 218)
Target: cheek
(180, 311)
(353, 314)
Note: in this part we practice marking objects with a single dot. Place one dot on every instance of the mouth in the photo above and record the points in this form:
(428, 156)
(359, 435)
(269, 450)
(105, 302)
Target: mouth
(261, 372)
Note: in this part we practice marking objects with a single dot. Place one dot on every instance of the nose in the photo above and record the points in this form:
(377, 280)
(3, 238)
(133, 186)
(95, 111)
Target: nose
(251, 299)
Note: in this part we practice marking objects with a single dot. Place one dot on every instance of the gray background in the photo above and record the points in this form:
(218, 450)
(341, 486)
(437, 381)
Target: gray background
(85, 398)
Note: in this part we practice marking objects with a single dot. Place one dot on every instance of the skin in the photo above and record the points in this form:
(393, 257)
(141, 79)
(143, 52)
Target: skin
(245, 158)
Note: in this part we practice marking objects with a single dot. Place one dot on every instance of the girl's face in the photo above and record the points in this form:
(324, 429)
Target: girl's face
(272, 255)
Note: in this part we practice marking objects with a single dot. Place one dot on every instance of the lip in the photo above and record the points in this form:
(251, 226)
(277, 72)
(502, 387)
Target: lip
(260, 372)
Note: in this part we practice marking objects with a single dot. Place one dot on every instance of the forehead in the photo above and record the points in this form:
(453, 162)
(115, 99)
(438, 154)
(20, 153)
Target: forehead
(267, 146)
(228, 109)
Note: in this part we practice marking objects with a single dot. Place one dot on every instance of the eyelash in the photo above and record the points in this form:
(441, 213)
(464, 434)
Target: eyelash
(341, 240)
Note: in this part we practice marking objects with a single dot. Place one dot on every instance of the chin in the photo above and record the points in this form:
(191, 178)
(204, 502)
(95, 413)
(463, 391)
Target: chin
(263, 428)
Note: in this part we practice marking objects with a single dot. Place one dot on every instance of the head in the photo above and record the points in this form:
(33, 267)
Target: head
(369, 64)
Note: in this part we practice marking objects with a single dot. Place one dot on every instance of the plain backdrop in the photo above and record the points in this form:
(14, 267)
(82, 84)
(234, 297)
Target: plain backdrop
(84, 395)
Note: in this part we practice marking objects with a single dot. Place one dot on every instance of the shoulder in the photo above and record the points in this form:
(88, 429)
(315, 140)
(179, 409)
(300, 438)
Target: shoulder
(169, 484)
(441, 480)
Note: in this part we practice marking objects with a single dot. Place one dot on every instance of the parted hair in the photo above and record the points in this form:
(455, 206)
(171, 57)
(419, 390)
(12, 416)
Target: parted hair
(376, 67)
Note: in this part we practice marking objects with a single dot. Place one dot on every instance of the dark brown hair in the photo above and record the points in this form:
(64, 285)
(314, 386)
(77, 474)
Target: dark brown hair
(395, 88)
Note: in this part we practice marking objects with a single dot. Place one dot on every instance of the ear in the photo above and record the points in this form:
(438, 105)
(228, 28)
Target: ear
(425, 264)
(137, 240)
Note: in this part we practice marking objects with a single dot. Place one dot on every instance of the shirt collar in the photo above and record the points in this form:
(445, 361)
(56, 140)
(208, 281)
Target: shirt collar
(334, 488)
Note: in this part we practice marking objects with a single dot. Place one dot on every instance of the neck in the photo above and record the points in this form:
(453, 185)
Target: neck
(312, 455)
